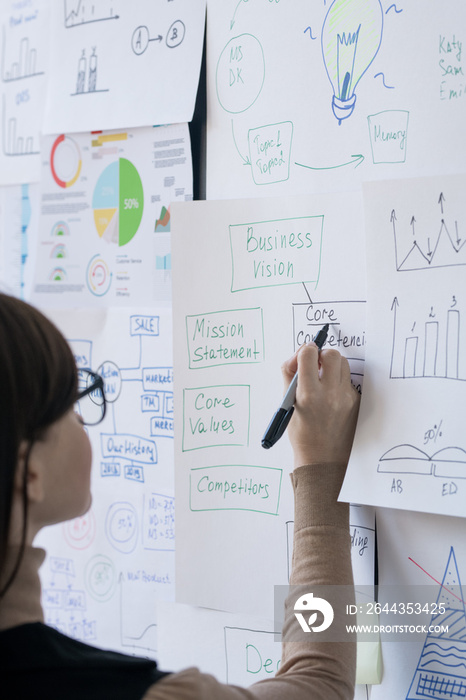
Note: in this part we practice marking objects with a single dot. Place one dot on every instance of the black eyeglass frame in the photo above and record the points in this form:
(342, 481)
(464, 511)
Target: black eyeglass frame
(97, 383)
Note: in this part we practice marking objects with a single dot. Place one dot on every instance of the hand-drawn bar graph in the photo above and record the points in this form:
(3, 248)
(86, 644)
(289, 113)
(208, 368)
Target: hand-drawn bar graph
(432, 348)
(14, 143)
(25, 63)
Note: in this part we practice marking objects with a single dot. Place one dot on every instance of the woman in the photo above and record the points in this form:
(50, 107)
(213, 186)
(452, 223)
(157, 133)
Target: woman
(45, 463)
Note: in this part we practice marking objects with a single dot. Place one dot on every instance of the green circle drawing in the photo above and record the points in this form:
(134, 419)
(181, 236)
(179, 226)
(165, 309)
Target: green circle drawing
(240, 73)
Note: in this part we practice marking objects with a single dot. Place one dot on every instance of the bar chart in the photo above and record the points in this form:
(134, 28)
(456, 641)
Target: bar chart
(23, 64)
(15, 142)
(429, 347)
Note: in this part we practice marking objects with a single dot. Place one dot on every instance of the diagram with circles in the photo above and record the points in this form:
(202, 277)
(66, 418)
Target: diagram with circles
(121, 552)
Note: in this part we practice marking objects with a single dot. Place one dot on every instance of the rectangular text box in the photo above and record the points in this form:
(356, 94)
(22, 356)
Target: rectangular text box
(251, 655)
(144, 325)
(156, 378)
(236, 487)
(225, 338)
(270, 151)
(216, 415)
(276, 252)
(131, 447)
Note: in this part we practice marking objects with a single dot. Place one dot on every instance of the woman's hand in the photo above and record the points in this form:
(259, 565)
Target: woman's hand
(326, 408)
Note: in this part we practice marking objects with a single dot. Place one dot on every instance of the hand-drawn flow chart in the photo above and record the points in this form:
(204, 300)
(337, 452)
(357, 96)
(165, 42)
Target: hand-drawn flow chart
(133, 509)
(123, 454)
(342, 49)
(65, 606)
(251, 309)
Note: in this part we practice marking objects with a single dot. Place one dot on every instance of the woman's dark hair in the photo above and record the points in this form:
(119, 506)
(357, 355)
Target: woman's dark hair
(38, 385)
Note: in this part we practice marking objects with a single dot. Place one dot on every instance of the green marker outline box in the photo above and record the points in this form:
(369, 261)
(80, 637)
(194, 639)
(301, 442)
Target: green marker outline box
(247, 466)
(223, 444)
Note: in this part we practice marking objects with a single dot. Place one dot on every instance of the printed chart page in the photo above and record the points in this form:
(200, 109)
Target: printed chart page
(115, 63)
(106, 570)
(104, 236)
(253, 280)
(24, 47)
(322, 96)
(410, 447)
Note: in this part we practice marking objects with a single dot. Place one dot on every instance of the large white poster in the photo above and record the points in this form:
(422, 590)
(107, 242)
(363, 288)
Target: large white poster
(410, 448)
(323, 96)
(253, 280)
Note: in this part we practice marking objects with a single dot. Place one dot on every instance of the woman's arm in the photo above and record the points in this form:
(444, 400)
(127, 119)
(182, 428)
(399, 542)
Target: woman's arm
(321, 433)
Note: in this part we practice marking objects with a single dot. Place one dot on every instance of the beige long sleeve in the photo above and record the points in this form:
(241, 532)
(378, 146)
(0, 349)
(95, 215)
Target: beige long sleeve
(321, 556)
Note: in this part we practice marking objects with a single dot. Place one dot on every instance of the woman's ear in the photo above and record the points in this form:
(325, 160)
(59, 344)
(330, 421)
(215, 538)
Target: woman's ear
(27, 459)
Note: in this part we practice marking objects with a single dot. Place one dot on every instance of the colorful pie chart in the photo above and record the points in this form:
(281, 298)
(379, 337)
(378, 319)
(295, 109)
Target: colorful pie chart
(65, 161)
(118, 202)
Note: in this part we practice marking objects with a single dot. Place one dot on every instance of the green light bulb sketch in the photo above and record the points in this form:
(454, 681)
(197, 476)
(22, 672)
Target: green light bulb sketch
(351, 38)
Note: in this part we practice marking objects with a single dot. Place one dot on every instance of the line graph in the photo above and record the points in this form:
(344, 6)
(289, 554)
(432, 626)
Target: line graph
(79, 12)
(136, 631)
(428, 245)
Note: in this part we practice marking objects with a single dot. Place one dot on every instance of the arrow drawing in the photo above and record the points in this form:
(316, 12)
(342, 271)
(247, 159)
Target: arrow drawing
(446, 249)
(356, 161)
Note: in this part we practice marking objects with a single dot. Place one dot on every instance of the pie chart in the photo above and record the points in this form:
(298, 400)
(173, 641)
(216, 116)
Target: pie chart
(118, 202)
(65, 161)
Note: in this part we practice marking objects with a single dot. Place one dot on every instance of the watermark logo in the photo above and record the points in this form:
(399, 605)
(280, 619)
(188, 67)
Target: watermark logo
(308, 604)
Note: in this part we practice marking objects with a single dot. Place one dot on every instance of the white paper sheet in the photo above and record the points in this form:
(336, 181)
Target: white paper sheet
(410, 449)
(237, 317)
(117, 64)
(105, 225)
(106, 570)
(416, 550)
(24, 45)
(275, 69)
(236, 649)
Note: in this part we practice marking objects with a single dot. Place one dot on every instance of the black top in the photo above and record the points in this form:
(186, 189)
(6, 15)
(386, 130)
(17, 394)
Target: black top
(37, 661)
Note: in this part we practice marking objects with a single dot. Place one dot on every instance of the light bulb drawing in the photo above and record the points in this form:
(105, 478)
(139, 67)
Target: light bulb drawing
(351, 38)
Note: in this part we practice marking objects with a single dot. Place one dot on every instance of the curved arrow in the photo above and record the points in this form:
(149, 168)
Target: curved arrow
(357, 160)
(246, 161)
(233, 20)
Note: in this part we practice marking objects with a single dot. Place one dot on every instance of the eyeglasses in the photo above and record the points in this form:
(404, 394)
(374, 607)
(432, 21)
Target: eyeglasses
(90, 402)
